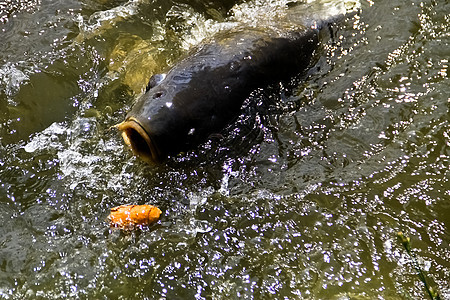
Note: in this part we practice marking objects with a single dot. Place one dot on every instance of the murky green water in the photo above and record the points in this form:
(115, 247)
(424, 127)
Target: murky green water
(302, 198)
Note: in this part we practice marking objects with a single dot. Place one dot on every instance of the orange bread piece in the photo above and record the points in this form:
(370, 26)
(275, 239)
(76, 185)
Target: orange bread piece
(132, 216)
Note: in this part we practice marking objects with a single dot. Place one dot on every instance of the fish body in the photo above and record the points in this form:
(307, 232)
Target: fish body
(205, 91)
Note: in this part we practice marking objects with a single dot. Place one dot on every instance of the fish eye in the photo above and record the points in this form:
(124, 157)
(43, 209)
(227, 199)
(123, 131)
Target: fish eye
(154, 81)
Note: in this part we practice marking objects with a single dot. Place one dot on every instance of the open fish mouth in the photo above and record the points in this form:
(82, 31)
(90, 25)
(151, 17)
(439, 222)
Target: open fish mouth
(135, 136)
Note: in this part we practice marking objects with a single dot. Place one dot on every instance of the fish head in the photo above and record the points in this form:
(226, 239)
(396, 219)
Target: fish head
(152, 126)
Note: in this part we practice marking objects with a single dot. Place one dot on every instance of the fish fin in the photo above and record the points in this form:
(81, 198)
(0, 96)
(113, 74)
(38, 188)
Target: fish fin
(215, 136)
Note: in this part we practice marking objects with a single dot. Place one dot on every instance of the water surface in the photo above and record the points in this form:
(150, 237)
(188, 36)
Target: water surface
(301, 198)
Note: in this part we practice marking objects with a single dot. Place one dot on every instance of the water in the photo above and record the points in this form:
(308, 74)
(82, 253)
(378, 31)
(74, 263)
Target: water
(301, 198)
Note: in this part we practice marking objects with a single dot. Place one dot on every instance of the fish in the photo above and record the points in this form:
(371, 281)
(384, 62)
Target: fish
(205, 91)
(130, 217)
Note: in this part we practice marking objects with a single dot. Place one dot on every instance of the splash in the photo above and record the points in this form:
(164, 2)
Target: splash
(11, 78)
(102, 21)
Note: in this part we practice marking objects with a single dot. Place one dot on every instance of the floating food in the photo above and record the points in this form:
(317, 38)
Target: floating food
(133, 216)
(204, 92)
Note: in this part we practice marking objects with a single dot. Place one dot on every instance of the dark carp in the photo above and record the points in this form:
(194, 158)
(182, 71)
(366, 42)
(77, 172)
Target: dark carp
(204, 92)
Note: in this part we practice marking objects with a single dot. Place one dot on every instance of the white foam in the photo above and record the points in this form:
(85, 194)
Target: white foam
(12, 78)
